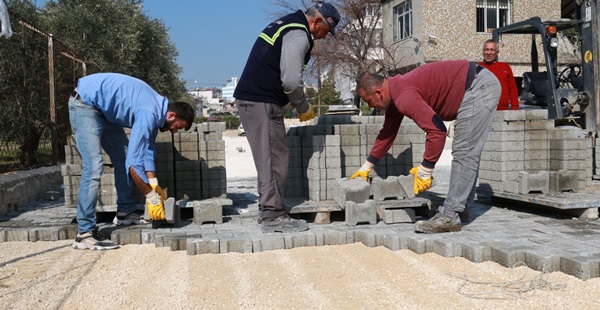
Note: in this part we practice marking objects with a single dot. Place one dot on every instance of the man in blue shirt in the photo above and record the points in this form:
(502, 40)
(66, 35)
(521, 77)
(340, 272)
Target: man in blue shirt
(99, 108)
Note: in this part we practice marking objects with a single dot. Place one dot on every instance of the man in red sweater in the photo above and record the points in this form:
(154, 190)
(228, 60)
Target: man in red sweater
(509, 100)
(429, 95)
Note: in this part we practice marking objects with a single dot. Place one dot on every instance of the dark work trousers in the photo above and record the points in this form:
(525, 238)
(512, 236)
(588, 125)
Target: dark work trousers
(471, 128)
(265, 130)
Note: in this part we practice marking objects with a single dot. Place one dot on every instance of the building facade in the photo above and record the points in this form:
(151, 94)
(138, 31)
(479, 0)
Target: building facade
(425, 31)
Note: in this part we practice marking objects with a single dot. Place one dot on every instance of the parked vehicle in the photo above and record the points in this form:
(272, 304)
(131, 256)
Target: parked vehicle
(241, 131)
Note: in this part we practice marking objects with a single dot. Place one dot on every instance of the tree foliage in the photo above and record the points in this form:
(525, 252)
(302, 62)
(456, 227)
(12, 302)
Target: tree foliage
(116, 36)
(108, 35)
(24, 112)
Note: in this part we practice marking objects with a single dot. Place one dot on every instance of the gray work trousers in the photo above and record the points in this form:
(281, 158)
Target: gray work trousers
(471, 128)
(265, 130)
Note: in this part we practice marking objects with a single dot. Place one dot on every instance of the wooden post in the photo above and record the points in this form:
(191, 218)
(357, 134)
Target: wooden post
(52, 96)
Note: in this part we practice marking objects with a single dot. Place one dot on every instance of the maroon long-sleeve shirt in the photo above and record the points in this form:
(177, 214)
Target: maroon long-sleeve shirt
(428, 95)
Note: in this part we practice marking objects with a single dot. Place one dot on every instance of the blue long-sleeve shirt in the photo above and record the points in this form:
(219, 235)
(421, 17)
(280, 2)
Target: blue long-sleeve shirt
(128, 102)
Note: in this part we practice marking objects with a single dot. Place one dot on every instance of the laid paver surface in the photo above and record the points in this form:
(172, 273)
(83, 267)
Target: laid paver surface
(499, 231)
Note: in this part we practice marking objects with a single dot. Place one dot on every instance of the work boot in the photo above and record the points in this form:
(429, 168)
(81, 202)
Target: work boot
(283, 224)
(439, 223)
(464, 215)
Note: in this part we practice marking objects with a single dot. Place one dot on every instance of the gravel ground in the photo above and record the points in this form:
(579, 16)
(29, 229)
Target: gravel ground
(52, 275)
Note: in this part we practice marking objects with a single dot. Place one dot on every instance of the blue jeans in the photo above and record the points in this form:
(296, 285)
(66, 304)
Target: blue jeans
(92, 134)
(471, 128)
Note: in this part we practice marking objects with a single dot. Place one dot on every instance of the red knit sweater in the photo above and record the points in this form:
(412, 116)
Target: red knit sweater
(504, 74)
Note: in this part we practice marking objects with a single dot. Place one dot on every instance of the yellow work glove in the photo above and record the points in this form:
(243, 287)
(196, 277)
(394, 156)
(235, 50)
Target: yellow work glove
(364, 171)
(423, 178)
(154, 183)
(310, 114)
(156, 209)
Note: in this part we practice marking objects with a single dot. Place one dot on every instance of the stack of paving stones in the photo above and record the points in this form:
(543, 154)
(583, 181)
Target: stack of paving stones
(525, 153)
(190, 166)
(393, 200)
(337, 146)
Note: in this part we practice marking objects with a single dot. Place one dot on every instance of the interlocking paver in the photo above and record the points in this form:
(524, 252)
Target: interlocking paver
(542, 239)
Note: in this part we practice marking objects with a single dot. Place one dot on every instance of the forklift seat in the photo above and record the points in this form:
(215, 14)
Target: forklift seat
(535, 86)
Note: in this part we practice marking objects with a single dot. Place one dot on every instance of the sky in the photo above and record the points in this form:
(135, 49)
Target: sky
(213, 37)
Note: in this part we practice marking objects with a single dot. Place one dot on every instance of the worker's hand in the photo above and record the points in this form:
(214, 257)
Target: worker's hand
(423, 178)
(310, 114)
(154, 183)
(155, 205)
(364, 171)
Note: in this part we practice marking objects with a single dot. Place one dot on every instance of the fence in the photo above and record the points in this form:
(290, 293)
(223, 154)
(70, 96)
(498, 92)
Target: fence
(41, 95)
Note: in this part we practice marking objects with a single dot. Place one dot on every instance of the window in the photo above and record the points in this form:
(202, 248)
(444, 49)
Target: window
(492, 14)
(403, 20)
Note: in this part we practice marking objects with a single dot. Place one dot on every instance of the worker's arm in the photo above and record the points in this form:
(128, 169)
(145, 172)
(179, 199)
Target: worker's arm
(293, 50)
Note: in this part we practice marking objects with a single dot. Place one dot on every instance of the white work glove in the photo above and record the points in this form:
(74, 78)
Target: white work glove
(424, 172)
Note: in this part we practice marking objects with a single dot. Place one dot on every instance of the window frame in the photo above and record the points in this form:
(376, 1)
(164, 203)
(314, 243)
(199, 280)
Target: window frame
(483, 26)
(400, 33)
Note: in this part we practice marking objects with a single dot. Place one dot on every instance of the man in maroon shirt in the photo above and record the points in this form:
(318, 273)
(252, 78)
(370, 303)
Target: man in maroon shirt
(509, 100)
(429, 95)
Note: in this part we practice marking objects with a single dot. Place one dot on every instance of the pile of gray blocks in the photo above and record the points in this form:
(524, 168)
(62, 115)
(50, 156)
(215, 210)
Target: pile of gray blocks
(337, 146)
(524, 143)
(353, 196)
(190, 165)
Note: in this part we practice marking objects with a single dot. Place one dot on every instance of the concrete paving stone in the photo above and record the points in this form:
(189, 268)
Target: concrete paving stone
(395, 241)
(417, 244)
(43, 234)
(67, 232)
(299, 239)
(358, 213)
(545, 260)
(371, 237)
(203, 246)
(475, 251)
(389, 187)
(447, 248)
(261, 243)
(126, 236)
(355, 190)
(179, 243)
(147, 236)
(404, 215)
(235, 244)
(508, 255)
(164, 239)
(582, 267)
(14, 234)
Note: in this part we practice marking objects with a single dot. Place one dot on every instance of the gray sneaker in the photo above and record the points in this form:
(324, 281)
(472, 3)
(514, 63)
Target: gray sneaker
(283, 224)
(134, 217)
(439, 223)
(94, 241)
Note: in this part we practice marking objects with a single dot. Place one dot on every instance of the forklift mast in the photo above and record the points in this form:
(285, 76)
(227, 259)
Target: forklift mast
(579, 101)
